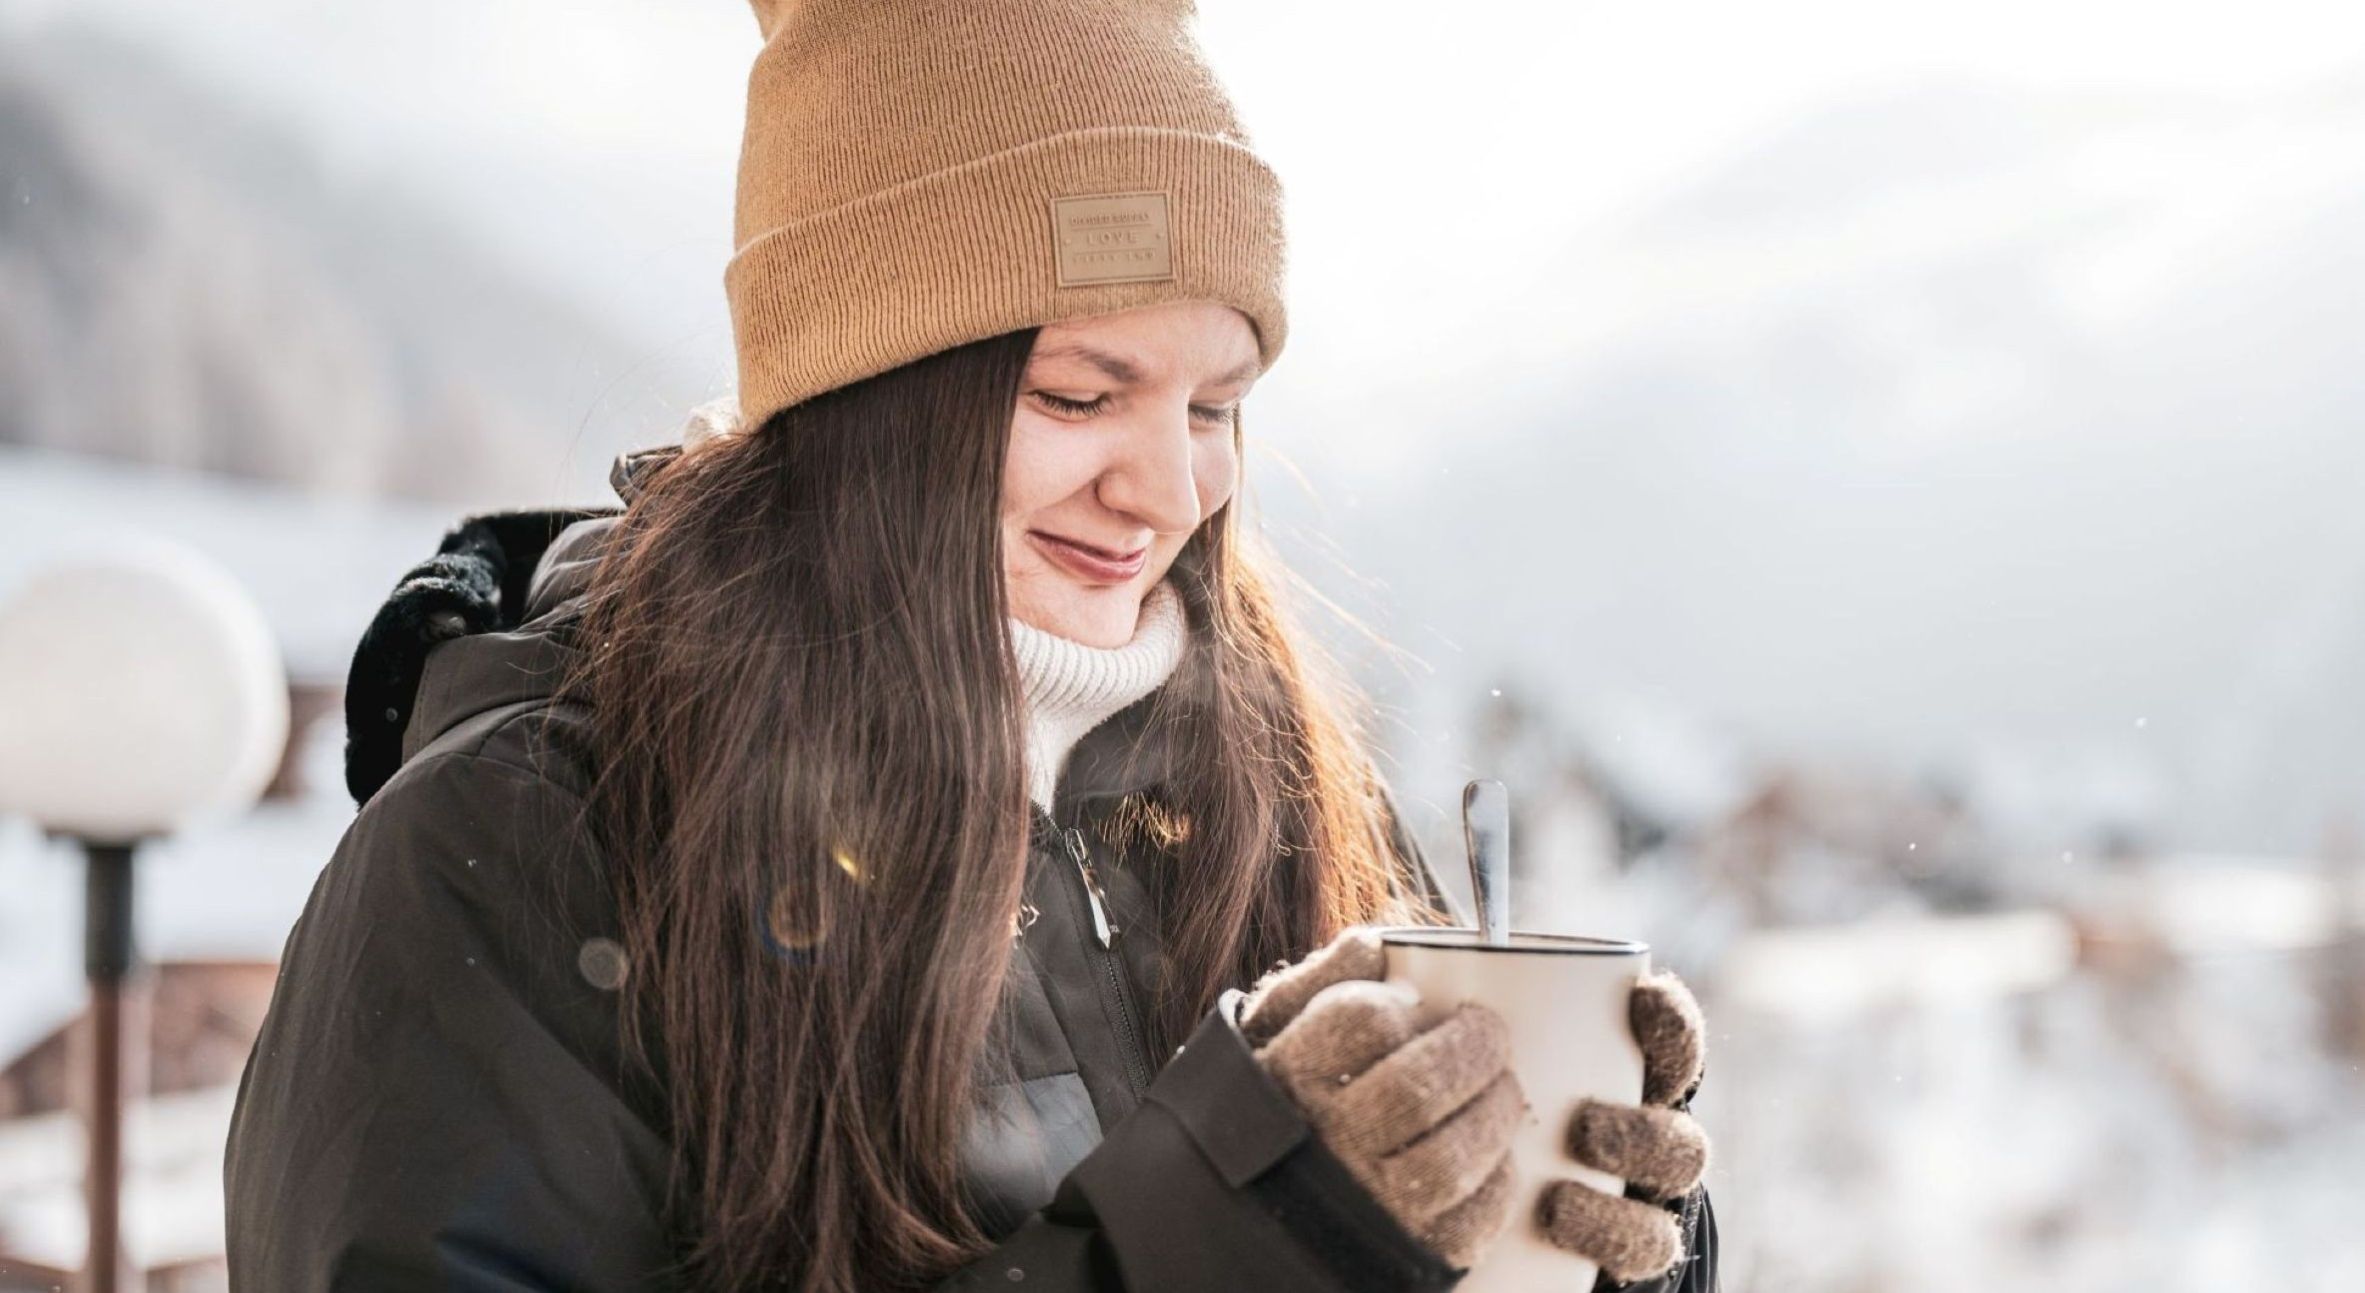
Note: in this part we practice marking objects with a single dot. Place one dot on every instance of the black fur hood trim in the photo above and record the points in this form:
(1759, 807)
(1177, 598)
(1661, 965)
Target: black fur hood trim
(477, 581)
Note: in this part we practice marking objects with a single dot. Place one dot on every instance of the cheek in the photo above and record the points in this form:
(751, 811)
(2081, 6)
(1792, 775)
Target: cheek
(1216, 469)
(1042, 468)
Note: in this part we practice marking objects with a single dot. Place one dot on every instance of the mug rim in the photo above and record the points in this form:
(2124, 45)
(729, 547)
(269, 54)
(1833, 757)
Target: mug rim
(1522, 940)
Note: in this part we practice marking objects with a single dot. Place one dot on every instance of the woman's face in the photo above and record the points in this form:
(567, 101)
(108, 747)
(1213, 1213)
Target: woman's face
(1122, 442)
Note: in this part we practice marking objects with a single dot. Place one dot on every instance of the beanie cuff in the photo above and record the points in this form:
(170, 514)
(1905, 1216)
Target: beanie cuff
(969, 252)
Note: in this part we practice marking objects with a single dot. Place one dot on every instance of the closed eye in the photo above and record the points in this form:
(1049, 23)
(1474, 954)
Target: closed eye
(1212, 414)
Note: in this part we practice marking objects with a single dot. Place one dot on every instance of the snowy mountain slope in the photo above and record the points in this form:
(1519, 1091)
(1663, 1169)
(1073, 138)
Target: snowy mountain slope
(186, 282)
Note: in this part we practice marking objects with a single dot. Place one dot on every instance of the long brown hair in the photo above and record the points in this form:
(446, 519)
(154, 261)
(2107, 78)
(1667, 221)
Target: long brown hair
(811, 797)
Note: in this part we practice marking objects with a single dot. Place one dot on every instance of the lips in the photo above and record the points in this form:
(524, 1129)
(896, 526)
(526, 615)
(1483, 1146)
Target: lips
(1105, 554)
(1096, 564)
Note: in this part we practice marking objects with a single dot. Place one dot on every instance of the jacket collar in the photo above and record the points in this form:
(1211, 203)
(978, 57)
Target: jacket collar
(488, 620)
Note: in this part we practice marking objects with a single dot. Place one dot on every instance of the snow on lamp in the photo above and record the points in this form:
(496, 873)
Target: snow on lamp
(140, 692)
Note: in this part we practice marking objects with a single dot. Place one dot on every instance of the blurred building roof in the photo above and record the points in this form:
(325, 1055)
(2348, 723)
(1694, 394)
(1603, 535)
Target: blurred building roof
(317, 565)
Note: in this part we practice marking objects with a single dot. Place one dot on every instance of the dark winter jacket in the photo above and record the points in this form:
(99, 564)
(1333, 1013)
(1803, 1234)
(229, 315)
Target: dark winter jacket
(437, 1099)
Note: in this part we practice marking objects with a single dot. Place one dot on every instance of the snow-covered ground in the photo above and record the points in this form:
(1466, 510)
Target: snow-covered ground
(2189, 1138)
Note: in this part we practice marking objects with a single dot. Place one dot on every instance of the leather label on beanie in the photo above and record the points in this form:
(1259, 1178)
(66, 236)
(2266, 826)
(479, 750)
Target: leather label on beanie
(1111, 238)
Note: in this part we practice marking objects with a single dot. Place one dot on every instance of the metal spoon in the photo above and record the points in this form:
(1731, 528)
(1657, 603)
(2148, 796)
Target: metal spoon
(1486, 832)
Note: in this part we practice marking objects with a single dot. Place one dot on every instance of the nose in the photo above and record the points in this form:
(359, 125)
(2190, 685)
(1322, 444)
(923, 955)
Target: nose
(1153, 479)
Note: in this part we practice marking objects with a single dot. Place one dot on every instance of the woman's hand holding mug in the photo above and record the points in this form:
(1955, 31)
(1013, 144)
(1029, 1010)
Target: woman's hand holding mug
(1656, 1147)
(1424, 1118)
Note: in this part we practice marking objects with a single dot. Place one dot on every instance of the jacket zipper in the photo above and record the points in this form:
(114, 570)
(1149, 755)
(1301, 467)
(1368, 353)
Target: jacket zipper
(1102, 929)
(1112, 971)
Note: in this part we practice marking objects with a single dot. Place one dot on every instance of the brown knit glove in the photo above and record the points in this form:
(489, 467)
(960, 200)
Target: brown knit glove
(1655, 1146)
(1422, 1118)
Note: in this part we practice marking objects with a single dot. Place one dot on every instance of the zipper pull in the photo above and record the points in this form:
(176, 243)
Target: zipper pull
(1101, 927)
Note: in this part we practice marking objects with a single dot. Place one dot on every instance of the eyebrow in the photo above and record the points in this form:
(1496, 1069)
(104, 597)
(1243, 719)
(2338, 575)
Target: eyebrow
(1119, 368)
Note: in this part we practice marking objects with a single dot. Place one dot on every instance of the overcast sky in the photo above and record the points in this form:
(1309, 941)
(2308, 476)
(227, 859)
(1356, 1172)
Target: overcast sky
(1441, 159)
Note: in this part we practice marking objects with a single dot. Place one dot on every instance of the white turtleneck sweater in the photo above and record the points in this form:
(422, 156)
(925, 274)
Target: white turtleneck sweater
(1072, 688)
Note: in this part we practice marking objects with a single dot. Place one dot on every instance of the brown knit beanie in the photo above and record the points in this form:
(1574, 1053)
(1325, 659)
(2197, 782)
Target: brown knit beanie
(918, 174)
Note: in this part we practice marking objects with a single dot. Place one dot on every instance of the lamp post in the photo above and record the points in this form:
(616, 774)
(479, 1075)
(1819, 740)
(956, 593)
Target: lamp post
(141, 693)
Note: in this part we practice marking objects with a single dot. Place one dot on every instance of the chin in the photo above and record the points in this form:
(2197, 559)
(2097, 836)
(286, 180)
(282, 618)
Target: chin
(1089, 613)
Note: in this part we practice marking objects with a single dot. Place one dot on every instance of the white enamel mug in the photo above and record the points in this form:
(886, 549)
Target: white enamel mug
(1566, 999)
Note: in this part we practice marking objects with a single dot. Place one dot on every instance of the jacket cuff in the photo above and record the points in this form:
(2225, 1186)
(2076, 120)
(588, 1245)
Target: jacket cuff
(1217, 1181)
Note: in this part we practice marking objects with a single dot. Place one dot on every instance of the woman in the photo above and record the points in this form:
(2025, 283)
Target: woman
(839, 866)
